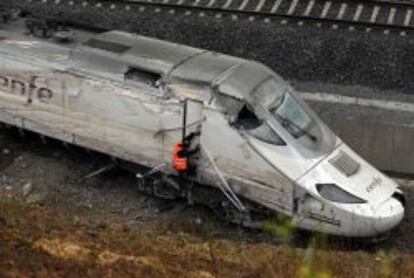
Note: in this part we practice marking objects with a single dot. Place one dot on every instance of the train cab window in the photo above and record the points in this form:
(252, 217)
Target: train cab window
(248, 122)
(244, 119)
(142, 76)
(247, 119)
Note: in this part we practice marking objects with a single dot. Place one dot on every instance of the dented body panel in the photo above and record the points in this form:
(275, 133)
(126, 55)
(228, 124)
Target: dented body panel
(127, 96)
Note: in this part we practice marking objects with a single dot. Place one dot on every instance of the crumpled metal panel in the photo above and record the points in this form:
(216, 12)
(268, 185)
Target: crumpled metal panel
(175, 62)
(244, 80)
(213, 65)
(231, 105)
(99, 63)
(248, 173)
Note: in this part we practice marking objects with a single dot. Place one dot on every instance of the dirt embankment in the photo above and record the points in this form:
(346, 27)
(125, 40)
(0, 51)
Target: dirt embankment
(36, 240)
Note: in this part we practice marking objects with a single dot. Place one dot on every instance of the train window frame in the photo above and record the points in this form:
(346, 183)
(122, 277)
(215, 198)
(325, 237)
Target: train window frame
(135, 75)
(248, 122)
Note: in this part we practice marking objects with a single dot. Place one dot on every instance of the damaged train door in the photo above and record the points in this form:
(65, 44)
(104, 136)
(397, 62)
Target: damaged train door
(186, 149)
(229, 161)
(192, 121)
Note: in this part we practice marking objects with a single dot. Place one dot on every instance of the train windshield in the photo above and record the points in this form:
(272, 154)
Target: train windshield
(289, 113)
(275, 101)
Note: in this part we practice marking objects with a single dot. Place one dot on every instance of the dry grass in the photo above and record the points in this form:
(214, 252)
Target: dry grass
(38, 241)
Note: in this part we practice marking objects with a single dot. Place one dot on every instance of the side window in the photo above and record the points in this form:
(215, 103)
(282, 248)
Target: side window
(248, 122)
(142, 76)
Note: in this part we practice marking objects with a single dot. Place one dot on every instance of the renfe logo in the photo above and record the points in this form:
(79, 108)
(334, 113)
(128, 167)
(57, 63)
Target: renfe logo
(28, 89)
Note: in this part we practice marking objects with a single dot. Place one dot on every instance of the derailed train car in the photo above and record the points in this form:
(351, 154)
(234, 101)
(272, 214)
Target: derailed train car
(256, 148)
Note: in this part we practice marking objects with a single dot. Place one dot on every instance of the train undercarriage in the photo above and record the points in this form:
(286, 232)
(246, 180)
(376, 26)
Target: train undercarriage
(173, 187)
(156, 183)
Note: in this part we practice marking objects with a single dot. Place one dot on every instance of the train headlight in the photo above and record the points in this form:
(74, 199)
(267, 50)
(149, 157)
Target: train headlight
(334, 193)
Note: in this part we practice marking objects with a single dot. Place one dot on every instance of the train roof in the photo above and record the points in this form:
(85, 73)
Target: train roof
(234, 76)
(111, 54)
(134, 50)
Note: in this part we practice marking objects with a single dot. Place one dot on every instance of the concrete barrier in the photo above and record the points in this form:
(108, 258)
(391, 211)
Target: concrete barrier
(384, 137)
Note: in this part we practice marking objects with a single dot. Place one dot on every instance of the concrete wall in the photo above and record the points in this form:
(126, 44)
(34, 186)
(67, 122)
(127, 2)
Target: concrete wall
(387, 144)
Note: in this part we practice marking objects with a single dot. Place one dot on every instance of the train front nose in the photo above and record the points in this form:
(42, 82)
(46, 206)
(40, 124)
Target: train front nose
(388, 215)
(353, 220)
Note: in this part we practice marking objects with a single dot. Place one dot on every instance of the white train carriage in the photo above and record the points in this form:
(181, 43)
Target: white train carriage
(134, 98)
